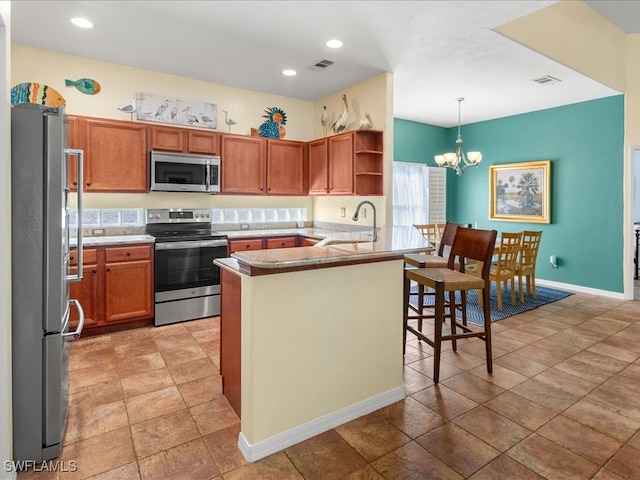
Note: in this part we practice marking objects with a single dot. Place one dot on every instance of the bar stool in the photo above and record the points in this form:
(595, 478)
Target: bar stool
(414, 260)
(469, 245)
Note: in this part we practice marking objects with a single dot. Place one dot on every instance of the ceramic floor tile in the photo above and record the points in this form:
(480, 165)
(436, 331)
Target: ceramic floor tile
(146, 382)
(180, 340)
(457, 448)
(604, 324)
(547, 353)
(315, 458)
(614, 351)
(580, 439)
(603, 420)
(425, 367)
(415, 381)
(546, 395)
(413, 461)
(129, 471)
(99, 454)
(273, 467)
(521, 410)
(208, 323)
(95, 394)
(566, 382)
(92, 375)
(445, 402)
(171, 330)
(412, 417)
(189, 461)
(154, 404)
(193, 370)
(504, 467)
(208, 335)
(214, 415)
(136, 349)
(616, 401)
(365, 473)
(86, 421)
(94, 358)
(551, 460)
(201, 390)
(223, 447)
(520, 364)
(372, 436)
(462, 359)
(161, 433)
(502, 377)
(493, 428)
(141, 364)
(605, 474)
(473, 387)
(183, 354)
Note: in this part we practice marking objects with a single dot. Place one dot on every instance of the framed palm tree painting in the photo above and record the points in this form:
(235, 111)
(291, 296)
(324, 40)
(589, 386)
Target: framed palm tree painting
(520, 192)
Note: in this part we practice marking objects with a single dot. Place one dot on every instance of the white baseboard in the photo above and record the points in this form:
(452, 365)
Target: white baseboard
(4, 475)
(580, 289)
(263, 448)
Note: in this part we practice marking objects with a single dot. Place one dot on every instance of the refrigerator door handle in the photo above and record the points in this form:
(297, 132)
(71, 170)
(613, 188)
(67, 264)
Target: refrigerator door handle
(79, 154)
(78, 330)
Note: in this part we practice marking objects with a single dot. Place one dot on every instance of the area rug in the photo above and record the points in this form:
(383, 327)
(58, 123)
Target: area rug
(474, 312)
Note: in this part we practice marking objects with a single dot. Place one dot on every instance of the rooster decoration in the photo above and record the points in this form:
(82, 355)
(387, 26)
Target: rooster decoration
(341, 122)
(273, 126)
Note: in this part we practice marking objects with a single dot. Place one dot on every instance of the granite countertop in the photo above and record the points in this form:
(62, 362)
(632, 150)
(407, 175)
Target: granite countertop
(278, 232)
(349, 248)
(107, 240)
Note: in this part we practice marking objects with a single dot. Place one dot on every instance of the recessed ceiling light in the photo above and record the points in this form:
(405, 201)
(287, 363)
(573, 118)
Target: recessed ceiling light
(81, 22)
(288, 72)
(335, 43)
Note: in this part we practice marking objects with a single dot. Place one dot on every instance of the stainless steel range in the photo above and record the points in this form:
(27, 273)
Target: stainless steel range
(186, 282)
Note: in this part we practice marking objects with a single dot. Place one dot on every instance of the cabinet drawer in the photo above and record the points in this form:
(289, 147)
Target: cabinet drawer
(282, 242)
(248, 244)
(123, 254)
(89, 255)
(308, 242)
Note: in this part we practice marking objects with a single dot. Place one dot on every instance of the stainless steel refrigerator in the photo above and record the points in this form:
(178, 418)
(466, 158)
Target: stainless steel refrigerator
(40, 278)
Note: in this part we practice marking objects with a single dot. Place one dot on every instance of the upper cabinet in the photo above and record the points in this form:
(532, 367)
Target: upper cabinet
(347, 164)
(175, 139)
(115, 154)
(257, 166)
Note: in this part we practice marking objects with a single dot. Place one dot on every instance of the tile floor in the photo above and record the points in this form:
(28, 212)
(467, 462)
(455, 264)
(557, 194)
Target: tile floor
(562, 403)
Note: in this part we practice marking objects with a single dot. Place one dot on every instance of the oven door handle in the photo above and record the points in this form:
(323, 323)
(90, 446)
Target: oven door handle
(190, 244)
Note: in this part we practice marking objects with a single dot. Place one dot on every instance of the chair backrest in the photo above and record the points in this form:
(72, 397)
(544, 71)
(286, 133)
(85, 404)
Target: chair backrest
(529, 249)
(429, 231)
(447, 237)
(473, 244)
(508, 251)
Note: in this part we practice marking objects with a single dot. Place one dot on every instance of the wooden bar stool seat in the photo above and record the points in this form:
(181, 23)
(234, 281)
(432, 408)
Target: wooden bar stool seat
(469, 244)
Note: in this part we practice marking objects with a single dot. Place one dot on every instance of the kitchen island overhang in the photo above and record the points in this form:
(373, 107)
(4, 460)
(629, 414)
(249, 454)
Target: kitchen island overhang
(319, 339)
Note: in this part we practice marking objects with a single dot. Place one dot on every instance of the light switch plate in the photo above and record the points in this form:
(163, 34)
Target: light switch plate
(300, 224)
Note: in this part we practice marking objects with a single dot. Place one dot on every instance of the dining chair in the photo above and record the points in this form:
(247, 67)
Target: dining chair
(469, 245)
(526, 265)
(429, 231)
(503, 268)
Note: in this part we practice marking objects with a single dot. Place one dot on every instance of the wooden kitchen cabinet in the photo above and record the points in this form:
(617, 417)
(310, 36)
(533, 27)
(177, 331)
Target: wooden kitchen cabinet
(245, 244)
(282, 242)
(285, 168)
(259, 166)
(243, 164)
(116, 155)
(117, 288)
(230, 338)
(184, 140)
(347, 164)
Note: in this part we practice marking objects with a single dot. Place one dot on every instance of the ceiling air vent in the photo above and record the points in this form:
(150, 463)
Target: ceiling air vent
(547, 80)
(321, 65)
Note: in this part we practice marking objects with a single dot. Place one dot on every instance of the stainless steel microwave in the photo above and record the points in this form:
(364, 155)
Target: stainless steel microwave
(176, 172)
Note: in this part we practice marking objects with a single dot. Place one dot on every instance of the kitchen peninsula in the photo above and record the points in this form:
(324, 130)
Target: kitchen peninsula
(311, 337)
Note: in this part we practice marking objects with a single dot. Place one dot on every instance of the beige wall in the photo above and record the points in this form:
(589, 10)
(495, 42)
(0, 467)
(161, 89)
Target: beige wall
(6, 449)
(120, 83)
(324, 357)
(575, 35)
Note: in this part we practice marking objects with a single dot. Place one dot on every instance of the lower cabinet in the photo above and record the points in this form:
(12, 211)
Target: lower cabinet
(117, 287)
(245, 244)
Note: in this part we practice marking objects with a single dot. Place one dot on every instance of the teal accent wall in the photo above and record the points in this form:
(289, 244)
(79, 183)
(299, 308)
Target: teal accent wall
(416, 142)
(585, 143)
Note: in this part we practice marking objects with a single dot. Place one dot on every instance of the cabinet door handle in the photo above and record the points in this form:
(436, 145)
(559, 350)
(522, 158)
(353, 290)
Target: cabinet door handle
(128, 254)
(74, 183)
(108, 269)
(94, 271)
(88, 184)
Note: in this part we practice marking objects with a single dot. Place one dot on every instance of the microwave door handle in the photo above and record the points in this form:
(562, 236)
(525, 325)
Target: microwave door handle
(79, 154)
(207, 174)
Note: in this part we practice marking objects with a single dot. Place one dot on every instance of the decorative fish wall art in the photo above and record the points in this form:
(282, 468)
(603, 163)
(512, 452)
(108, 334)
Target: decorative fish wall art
(84, 85)
(37, 93)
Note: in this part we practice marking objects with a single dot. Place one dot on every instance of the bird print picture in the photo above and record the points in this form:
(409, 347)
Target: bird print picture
(154, 108)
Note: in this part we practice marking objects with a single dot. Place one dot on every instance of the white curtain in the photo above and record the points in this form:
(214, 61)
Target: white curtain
(410, 193)
(419, 194)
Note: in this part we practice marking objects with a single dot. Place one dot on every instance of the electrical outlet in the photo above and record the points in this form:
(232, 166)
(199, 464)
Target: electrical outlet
(364, 212)
(97, 232)
(244, 226)
(343, 212)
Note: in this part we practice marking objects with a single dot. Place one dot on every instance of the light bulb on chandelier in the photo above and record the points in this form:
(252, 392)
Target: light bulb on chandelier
(458, 160)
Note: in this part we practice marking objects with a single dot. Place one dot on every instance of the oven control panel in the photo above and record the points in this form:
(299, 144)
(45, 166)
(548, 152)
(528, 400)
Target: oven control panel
(177, 215)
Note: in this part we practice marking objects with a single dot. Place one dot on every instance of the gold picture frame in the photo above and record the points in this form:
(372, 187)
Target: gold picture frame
(520, 192)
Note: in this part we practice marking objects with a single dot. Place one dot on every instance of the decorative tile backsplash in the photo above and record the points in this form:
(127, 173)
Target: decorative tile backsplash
(98, 218)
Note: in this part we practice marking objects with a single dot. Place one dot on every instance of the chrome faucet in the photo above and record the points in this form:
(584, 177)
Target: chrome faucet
(355, 217)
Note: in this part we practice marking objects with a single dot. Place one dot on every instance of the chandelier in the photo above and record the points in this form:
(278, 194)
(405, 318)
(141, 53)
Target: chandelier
(458, 160)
